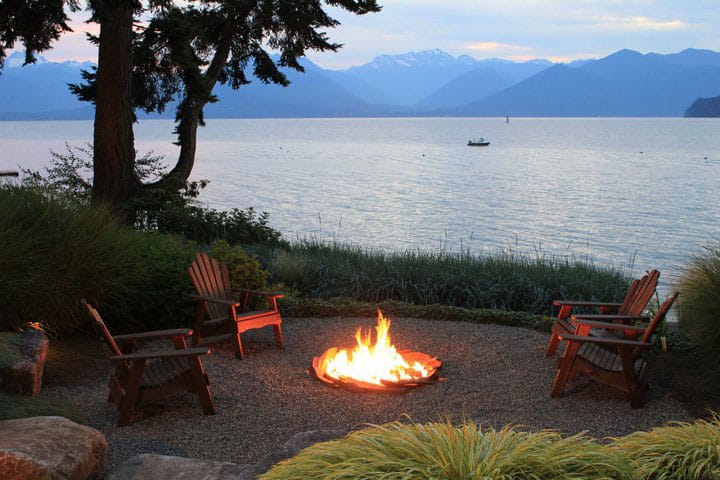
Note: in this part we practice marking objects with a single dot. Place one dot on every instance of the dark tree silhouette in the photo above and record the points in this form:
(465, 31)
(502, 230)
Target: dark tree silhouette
(151, 53)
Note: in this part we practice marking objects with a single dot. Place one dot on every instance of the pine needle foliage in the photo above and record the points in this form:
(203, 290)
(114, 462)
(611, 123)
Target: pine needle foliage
(681, 451)
(441, 450)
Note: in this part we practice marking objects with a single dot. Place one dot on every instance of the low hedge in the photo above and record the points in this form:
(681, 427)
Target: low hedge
(343, 307)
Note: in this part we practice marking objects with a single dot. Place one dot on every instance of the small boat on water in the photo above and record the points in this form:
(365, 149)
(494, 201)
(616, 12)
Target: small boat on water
(478, 142)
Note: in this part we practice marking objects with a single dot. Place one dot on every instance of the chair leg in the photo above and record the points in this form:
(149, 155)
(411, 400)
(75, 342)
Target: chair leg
(553, 345)
(633, 384)
(279, 340)
(132, 390)
(238, 346)
(565, 371)
(201, 385)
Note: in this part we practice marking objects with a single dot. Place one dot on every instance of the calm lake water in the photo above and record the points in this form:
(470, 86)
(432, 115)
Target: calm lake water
(617, 191)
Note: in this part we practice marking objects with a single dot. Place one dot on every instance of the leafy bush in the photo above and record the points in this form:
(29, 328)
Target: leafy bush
(206, 225)
(682, 451)
(172, 209)
(52, 253)
(505, 281)
(245, 270)
(159, 297)
(444, 451)
(699, 310)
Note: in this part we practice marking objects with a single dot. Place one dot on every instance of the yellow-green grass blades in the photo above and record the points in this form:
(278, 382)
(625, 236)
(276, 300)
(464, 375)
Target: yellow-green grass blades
(681, 451)
(398, 451)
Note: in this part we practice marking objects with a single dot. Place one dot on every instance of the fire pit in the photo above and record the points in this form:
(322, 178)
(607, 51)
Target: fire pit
(378, 367)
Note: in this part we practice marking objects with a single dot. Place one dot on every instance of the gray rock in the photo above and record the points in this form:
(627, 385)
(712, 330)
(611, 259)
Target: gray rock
(297, 442)
(23, 375)
(50, 448)
(151, 466)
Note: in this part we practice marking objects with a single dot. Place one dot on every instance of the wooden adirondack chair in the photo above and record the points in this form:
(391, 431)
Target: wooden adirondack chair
(638, 296)
(616, 362)
(219, 312)
(147, 376)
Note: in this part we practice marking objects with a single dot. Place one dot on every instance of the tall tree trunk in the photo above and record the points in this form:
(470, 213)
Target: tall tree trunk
(114, 180)
(190, 112)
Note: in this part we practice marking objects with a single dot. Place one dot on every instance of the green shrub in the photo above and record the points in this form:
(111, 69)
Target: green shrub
(682, 451)
(52, 253)
(205, 225)
(159, 297)
(172, 209)
(444, 451)
(245, 270)
(504, 281)
(699, 310)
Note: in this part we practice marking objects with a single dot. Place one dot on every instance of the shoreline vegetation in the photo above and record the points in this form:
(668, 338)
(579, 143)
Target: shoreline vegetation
(56, 248)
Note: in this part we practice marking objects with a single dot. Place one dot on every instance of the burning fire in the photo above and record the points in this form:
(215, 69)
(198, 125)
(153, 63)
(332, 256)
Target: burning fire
(372, 363)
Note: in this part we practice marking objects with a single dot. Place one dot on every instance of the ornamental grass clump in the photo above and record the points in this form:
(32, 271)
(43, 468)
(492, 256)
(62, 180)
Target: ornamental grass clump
(699, 312)
(682, 451)
(504, 281)
(444, 451)
(53, 252)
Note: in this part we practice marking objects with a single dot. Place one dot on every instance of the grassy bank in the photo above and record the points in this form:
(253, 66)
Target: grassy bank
(501, 282)
(54, 252)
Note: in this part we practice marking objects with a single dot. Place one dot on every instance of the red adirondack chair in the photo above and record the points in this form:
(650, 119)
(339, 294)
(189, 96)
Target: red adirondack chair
(616, 362)
(637, 298)
(140, 377)
(220, 317)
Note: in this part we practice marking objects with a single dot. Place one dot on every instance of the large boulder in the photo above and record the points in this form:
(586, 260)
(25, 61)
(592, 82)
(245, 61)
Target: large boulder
(22, 361)
(166, 467)
(51, 448)
(147, 466)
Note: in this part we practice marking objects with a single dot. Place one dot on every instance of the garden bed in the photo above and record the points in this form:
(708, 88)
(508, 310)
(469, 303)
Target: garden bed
(495, 375)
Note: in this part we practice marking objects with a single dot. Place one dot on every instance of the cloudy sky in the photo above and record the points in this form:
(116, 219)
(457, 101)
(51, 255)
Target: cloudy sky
(559, 30)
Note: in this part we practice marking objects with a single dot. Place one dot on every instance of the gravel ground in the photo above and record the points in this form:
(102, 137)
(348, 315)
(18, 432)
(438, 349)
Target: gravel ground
(495, 375)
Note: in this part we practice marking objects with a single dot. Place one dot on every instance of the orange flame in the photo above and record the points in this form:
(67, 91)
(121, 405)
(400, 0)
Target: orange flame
(372, 363)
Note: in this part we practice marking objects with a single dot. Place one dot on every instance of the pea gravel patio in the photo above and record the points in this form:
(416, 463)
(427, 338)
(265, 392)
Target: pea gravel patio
(494, 374)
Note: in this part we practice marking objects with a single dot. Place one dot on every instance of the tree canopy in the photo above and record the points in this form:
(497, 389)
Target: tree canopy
(152, 53)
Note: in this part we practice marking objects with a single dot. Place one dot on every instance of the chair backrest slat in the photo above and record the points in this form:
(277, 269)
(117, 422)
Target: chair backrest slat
(659, 316)
(102, 327)
(211, 279)
(643, 294)
(630, 296)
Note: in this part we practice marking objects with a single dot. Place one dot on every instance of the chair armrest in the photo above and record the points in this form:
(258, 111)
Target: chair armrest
(630, 318)
(156, 334)
(604, 341)
(223, 301)
(189, 352)
(608, 326)
(259, 292)
(584, 303)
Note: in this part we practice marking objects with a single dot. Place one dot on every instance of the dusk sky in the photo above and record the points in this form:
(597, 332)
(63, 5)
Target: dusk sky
(558, 30)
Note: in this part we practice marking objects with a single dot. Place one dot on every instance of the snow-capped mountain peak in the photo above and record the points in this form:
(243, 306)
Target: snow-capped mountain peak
(423, 58)
(17, 59)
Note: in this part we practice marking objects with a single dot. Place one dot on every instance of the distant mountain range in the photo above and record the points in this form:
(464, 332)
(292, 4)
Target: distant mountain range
(704, 107)
(427, 83)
